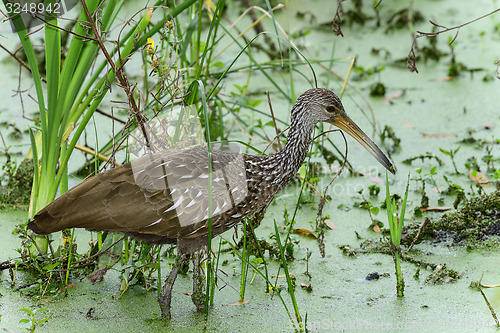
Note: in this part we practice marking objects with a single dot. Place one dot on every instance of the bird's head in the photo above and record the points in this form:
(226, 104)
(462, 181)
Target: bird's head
(324, 105)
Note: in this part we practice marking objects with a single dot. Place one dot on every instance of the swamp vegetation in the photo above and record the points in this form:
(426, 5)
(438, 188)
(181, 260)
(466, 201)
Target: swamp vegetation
(421, 78)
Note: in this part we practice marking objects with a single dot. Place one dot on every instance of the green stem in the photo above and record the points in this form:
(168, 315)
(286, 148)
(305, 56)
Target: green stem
(244, 263)
(287, 274)
(400, 283)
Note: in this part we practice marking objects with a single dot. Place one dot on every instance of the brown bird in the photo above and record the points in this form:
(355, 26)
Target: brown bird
(167, 197)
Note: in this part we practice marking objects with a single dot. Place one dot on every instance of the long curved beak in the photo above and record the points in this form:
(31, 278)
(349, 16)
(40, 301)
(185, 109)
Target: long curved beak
(346, 124)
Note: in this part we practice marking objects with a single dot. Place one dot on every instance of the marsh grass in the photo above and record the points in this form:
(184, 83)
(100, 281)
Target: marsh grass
(290, 283)
(272, 285)
(72, 97)
(396, 230)
(182, 69)
(63, 110)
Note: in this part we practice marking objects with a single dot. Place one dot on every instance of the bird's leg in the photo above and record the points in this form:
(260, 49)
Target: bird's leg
(198, 295)
(165, 296)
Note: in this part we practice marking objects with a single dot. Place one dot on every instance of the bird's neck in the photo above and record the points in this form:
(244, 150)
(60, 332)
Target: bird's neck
(290, 158)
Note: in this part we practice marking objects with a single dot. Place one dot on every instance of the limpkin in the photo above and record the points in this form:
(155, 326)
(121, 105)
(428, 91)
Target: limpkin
(164, 197)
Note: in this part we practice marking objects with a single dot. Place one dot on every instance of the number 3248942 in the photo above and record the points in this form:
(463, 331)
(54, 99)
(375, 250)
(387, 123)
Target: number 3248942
(33, 8)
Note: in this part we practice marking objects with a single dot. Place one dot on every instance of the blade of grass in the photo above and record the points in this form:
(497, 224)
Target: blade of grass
(388, 203)
(244, 265)
(403, 211)
(396, 227)
(19, 26)
(288, 278)
(212, 291)
(198, 84)
(54, 116)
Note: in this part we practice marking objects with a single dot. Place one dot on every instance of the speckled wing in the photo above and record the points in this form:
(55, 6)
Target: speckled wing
(164, 194)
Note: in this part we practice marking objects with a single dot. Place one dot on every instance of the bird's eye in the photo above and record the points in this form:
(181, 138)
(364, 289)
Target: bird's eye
(331, 108)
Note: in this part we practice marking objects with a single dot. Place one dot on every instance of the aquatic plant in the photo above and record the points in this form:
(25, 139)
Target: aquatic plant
(396, 229)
